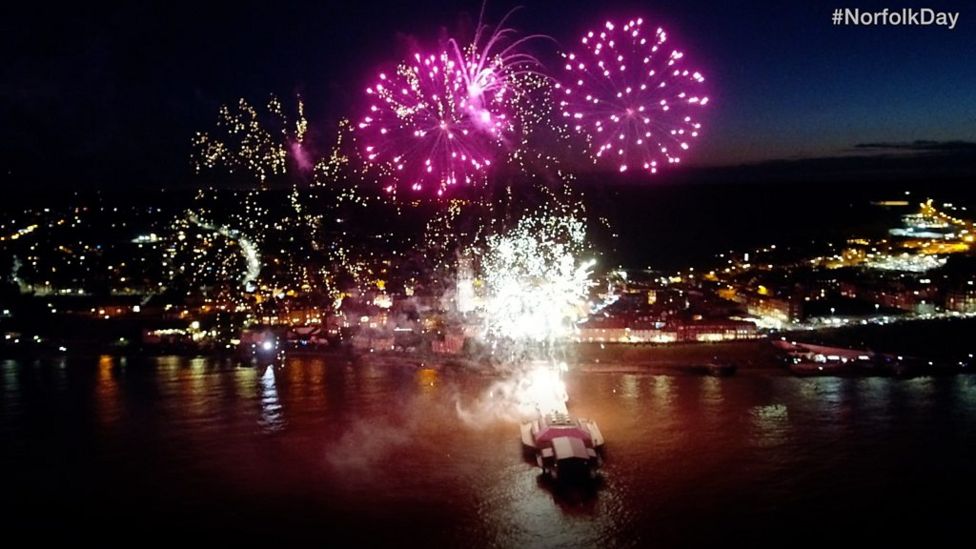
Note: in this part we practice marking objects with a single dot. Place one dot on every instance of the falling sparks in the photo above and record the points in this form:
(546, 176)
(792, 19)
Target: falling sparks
(628, 93)
(543, 142)
(330, 168)
(252, 141)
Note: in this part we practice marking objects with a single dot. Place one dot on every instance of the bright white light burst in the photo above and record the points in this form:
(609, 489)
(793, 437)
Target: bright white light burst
(535, 285)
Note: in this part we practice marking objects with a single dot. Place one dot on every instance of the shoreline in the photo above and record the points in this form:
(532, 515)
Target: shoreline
(753, 357)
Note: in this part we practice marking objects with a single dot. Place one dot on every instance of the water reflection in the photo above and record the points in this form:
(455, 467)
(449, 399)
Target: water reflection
(575, 498)
(663, 390)
(528, 511)
(711, 394)
(827, 397)
(426, 379)
(966, 396)
(10, 389)
(108, 404)
(272, 416)
(630, 386)
(771, 425)
(361, 444)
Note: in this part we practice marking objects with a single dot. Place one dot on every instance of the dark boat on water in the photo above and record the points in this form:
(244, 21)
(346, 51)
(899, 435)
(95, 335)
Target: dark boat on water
(807, 359)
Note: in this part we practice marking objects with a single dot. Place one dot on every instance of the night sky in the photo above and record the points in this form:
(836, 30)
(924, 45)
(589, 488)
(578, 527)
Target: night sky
(109, 95)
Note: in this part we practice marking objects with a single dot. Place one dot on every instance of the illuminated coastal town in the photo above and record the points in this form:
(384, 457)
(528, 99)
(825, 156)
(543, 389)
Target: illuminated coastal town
(154, 282)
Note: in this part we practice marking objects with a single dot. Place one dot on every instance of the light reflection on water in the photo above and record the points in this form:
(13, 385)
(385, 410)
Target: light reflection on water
(324, 445)
(772, 424)
(107, 401)
(272, 418)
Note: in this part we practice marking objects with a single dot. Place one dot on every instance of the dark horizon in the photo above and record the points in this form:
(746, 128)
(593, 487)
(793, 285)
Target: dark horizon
(943, 169)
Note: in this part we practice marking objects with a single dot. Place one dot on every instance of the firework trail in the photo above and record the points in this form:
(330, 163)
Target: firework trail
(627, 92)
(494, 60)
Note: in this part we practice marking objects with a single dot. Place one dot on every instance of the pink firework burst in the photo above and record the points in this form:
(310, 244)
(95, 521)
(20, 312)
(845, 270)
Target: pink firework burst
(428, 128)
(628, 93)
